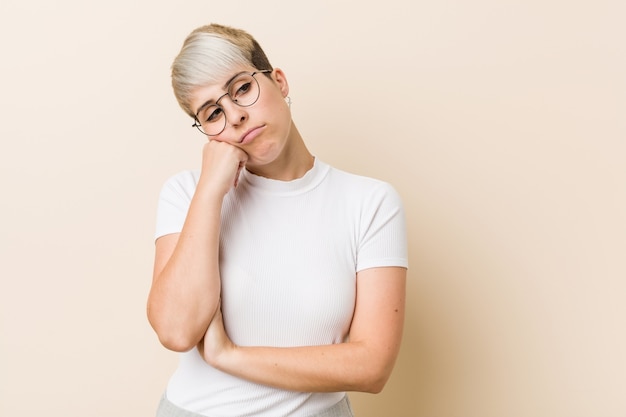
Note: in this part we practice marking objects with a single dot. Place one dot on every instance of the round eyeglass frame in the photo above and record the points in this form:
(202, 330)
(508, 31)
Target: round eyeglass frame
(196, 121)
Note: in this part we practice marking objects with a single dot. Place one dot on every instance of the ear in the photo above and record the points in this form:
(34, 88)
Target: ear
(281, 80)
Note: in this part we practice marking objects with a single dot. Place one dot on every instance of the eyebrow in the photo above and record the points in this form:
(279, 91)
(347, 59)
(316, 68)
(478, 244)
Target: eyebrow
(224, 87)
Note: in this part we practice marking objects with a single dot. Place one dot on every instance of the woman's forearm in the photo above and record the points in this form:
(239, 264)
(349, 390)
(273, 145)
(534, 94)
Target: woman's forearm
(350, 366)
(186, 284)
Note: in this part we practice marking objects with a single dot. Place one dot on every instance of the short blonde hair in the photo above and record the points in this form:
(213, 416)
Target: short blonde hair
(208, 55)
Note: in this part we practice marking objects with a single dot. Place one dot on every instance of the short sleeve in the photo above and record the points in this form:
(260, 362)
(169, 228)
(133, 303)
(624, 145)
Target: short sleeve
(174, 201)
(382, 237)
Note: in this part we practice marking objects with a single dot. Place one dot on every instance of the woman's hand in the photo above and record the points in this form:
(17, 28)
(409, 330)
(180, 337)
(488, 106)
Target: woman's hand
(221, 165)
(216, 342)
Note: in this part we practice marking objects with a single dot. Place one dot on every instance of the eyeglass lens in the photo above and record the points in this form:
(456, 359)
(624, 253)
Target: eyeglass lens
(243, 91)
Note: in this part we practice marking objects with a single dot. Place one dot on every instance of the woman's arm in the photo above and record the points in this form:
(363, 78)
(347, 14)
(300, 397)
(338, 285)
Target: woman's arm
(186, 281)
(364, 363)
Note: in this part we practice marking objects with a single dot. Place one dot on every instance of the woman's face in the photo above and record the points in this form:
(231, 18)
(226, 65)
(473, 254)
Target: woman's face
(262, 130)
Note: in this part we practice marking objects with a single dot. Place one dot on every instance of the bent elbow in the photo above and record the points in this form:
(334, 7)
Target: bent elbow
(375, 389)
(375, 379)
(375, 385)
(172, 337)
(176, 339)
(176, 343)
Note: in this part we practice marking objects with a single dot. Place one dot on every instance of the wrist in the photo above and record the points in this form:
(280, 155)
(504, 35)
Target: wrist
(223, 358)
(210, 190)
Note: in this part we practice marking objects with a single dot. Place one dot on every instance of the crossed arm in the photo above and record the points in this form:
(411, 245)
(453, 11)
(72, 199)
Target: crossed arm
(363, 363)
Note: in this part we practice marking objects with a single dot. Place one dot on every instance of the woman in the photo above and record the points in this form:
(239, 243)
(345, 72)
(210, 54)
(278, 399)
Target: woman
(279, 278)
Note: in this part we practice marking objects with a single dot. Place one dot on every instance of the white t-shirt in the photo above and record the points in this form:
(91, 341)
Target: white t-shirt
(289, 254)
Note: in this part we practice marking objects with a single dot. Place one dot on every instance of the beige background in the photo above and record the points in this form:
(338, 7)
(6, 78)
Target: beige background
(501, 123)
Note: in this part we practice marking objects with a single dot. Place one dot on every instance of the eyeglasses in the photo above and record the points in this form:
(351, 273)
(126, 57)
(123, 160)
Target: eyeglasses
(243, 90)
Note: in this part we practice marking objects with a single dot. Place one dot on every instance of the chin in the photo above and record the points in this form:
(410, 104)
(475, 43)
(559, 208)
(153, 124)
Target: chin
(264, 156)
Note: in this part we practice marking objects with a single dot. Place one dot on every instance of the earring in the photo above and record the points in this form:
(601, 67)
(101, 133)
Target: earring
(288, 99)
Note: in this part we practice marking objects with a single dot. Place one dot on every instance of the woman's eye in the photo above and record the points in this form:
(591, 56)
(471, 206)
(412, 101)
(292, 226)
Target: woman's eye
(243, 89)
(213, 115)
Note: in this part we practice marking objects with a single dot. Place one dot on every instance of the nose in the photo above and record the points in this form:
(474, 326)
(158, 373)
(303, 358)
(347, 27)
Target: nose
(235, 114)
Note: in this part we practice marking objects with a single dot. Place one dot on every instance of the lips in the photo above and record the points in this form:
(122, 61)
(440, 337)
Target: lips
(250, 135)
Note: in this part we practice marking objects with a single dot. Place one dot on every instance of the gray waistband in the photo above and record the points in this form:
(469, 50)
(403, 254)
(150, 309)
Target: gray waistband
(169, 409)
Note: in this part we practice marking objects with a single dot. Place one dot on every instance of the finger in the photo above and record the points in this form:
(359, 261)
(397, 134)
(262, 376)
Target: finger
(242, 164)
